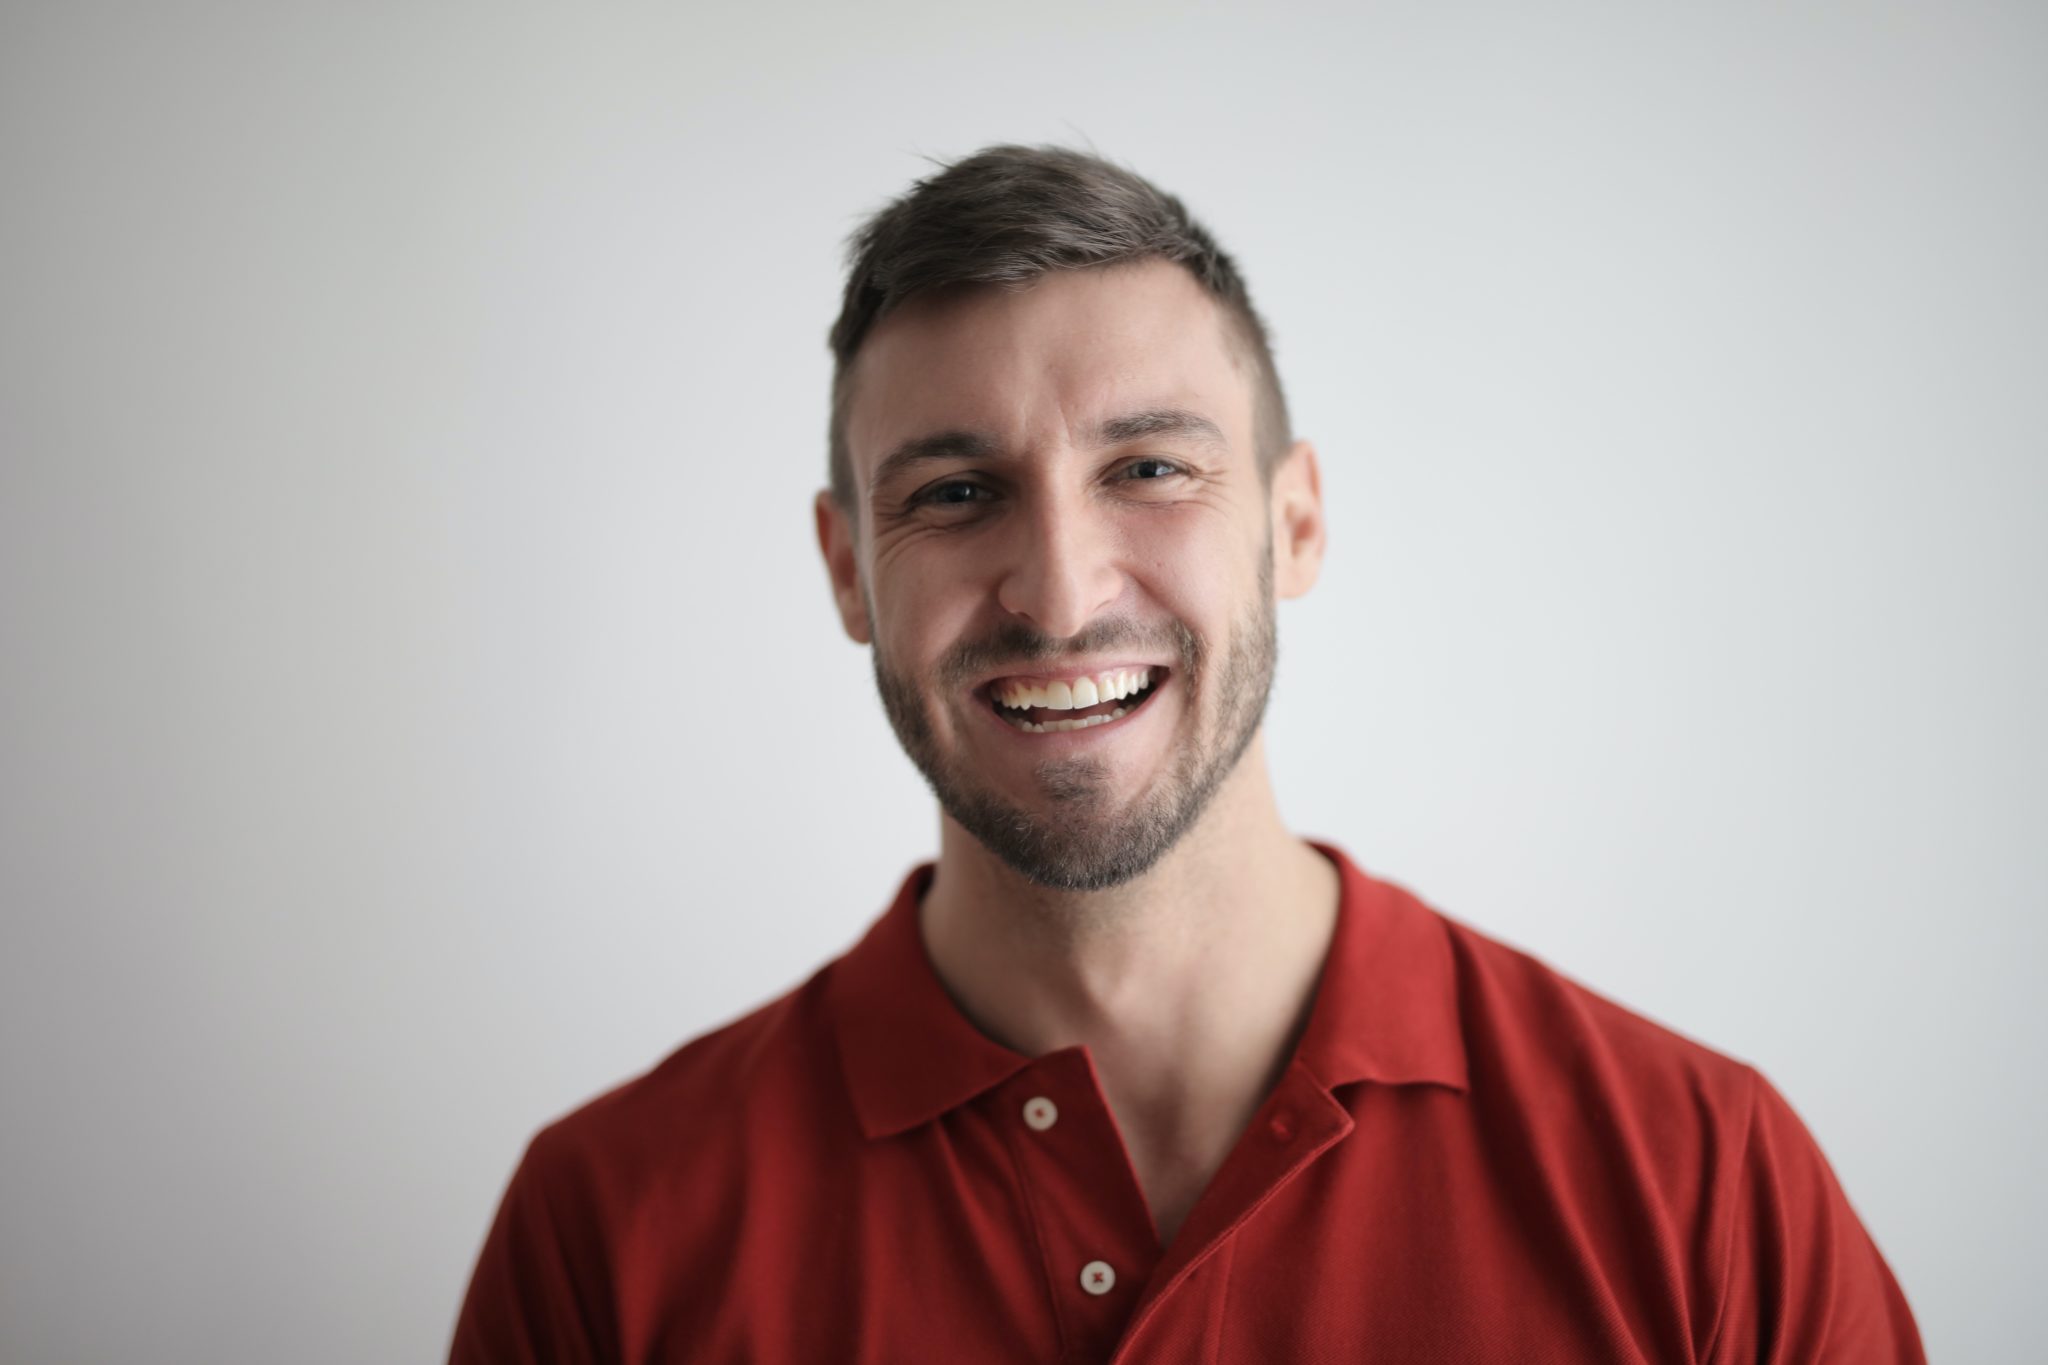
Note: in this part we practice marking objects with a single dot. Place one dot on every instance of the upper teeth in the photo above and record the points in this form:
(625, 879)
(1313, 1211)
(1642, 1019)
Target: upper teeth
(1066, 696)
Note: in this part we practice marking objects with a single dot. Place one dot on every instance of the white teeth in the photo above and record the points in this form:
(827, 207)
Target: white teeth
(1114, 685)
(1081, 724)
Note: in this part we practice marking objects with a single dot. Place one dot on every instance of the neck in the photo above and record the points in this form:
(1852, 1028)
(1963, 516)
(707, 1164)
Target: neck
(1189, 984)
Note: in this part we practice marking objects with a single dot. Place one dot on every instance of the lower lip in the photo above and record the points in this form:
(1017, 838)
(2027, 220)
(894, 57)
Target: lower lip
(1091, 734)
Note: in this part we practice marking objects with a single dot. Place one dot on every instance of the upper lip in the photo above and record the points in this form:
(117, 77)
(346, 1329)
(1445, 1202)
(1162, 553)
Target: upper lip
(1067, 670)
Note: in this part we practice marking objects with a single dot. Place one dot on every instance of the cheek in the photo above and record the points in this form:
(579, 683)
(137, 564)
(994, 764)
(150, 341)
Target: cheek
(1195, 573)
(922, 614)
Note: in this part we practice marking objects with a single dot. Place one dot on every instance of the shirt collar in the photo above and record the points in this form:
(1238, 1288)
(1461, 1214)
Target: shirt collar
(1386, 1008)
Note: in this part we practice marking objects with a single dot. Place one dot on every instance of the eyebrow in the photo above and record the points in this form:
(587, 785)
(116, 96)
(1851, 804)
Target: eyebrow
(944, 445)
(1117, 431)
(1137, 426)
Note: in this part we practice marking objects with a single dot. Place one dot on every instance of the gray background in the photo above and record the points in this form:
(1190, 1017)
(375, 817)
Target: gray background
(421, 708)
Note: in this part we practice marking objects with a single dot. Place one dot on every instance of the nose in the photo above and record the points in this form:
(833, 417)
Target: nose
(1061, 570)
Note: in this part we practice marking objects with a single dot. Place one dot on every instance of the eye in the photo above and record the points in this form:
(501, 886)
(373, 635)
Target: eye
(949, 493)
(1150, 470)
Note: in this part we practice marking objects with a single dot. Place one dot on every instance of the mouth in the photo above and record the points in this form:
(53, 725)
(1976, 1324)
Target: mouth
(1057, 705)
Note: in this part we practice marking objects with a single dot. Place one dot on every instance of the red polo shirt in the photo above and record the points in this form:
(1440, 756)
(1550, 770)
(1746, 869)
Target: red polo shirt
(1469, 1158)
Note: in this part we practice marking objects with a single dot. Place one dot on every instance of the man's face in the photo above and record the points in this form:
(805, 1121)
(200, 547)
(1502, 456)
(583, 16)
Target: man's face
(1059, 497)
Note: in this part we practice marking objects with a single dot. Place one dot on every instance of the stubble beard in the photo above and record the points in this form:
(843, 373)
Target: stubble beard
(1082, 839)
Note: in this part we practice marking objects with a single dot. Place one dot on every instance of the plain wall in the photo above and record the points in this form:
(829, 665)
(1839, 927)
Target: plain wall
(421, 707)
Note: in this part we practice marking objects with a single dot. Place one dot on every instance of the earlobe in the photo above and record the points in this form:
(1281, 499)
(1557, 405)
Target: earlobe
(842, 566)
(1298, 528)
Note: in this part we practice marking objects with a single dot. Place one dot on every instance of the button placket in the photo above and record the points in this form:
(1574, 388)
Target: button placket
(1301, 1121)
(1092, 1226)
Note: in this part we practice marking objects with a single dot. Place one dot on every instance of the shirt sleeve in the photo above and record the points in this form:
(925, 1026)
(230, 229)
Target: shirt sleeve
(538, 1296)
(1804, 1282)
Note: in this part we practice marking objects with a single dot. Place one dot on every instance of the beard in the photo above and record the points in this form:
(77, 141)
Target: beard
(1083, 839)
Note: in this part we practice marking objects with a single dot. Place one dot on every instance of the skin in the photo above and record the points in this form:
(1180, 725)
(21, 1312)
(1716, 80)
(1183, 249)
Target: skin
(1189, 980)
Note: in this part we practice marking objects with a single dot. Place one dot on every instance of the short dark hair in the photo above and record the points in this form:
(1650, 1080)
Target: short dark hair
(1008, 215)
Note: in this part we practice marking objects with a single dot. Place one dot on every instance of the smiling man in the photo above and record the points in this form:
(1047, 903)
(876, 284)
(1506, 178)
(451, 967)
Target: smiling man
(1131, 1072)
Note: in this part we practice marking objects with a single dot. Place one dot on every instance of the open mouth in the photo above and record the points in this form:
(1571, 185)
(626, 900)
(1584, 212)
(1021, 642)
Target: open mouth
(1074, 704)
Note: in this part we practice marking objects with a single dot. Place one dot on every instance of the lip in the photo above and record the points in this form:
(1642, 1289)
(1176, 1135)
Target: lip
(1066, 739)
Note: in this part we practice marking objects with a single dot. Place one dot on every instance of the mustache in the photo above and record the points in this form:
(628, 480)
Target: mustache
(1016, 643)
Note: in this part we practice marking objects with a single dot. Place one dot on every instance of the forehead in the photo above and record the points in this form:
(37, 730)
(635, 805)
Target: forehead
(1048, 363)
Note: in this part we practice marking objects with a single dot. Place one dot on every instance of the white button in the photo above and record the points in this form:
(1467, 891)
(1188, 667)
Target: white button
(1041, 1113)
(1098, 1277)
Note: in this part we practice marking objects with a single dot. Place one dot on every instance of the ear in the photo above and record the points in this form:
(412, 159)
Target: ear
(1296, 504)
(842, 566)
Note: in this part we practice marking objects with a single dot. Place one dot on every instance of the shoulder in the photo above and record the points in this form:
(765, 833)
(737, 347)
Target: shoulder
(1633, 1127)
(1527, 1022)
(1611, 1129)
(735, 1093)
(649, 1177)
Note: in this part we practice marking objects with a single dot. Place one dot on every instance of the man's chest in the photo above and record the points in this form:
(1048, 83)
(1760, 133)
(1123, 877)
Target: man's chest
(968, 1249)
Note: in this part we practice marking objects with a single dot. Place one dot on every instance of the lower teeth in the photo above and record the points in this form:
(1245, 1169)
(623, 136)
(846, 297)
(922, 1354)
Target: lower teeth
(1052, 725)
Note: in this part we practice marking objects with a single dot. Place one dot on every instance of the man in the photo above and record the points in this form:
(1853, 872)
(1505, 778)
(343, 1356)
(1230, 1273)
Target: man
(1132, 1073)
